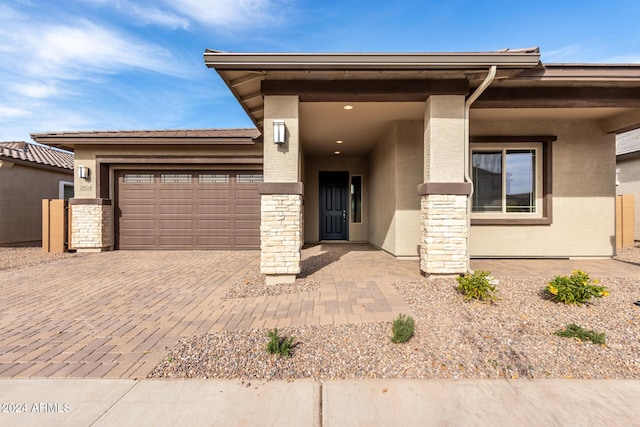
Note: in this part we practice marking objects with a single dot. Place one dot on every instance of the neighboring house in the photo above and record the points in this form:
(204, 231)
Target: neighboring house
(441, 156)
(28, 174)
(628, 171)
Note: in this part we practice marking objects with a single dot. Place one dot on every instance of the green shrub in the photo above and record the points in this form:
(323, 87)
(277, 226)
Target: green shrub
(403, 329)
(575, 289)
(576, 331)
(279, 345)
(477, 286)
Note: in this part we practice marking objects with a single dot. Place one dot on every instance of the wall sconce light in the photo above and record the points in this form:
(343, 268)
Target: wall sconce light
(83, 172)
(279, 132)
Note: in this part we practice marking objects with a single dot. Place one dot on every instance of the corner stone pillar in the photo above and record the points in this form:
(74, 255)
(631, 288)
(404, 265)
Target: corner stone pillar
(444, 195)
(281, 226)
(281, 231)
(91, 225)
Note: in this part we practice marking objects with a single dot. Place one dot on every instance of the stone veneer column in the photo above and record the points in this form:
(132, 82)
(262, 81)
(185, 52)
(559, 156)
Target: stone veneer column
(444, 195)
(443, 228)
(91, 225)
(281, 231)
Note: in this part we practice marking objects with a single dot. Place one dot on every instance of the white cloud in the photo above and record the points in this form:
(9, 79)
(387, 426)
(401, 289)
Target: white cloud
(153, 15)
(12, 112)
(229, 14)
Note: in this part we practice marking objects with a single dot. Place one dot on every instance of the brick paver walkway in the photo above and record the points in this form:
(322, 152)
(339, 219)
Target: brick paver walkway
(115, 314)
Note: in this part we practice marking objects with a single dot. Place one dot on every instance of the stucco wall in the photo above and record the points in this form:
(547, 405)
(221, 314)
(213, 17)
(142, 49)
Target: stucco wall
(313, 166)
(396, 168)
(21, 192)
(154, 157)
(629, 179)
(382, 167)
(583, 194)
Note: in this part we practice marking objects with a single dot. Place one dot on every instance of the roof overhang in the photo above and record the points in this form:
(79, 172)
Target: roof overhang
(68, 140)
(219, 60)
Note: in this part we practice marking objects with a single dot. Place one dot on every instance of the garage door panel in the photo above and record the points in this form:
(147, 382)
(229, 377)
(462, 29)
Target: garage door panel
(214, 193)
(183, 210)
(176, 209)
(219, 209)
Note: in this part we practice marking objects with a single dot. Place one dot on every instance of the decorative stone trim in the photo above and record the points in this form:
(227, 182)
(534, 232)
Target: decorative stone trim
(444, 234)
(91, 224)
(281, 234)
(443, 188)
(281, 188)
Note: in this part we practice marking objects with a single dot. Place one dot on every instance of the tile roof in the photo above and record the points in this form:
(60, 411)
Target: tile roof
(628, 142)
(167, 133)
(34, 153)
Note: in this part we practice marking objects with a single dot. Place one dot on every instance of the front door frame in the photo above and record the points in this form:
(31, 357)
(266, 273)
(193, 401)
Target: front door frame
(341, 179)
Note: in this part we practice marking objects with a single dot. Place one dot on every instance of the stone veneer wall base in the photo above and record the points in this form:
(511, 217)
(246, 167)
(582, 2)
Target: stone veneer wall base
(91, 226)
(444, 234)
(281, 237)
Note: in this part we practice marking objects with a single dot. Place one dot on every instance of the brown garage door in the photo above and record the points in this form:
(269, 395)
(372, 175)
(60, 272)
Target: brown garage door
(188, 210)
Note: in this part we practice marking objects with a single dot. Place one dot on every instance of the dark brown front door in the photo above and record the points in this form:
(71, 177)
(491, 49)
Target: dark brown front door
(188, 210)
(333, 205)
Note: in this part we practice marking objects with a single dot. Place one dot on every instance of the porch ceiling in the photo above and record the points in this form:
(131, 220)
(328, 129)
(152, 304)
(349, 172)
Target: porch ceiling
(324, 123)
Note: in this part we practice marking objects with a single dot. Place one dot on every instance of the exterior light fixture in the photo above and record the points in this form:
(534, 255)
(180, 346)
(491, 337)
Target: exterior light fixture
(279, 132)
(83, 172)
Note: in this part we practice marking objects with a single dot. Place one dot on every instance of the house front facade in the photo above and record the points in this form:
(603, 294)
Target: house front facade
(436, 156)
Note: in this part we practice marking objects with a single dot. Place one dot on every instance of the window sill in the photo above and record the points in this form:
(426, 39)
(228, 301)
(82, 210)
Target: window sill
(511, 221)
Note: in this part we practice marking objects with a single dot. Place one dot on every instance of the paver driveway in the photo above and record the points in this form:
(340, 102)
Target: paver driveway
(114, 314)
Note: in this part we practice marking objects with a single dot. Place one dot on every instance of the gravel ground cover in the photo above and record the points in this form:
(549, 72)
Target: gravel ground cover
(14, 257)
(253, 285)
(512, 338)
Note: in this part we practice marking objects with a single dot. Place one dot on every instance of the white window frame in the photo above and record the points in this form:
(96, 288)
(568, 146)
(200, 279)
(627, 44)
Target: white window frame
(539, 179)
(61, 185)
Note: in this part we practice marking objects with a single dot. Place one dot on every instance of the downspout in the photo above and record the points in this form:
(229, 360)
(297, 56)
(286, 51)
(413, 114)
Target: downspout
(467, 108)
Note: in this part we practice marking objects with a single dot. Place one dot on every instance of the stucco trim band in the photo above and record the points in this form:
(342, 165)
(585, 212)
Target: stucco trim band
(102, 202)
(295, 188)
(445, 188)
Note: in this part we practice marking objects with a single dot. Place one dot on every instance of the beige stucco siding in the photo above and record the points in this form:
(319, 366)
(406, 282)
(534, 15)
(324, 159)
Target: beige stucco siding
(154, 157)
(629, 183)
(281, 161)
(358, 232)
(396, 168)
(382, 167)
(22, 189)
(583, 194)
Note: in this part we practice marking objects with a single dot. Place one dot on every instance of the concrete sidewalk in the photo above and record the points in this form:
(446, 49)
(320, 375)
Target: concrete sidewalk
(124, 402)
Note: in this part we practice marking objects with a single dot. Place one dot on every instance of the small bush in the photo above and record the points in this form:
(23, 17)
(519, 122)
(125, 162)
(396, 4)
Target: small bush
(403, 329)
(477, 286)
(279, 345)
(575, 289)
(576, 331)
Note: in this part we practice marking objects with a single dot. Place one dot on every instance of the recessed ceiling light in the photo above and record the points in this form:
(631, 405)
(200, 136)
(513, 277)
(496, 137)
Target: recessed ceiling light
(336, 152)
(348, 107)
(339, 141)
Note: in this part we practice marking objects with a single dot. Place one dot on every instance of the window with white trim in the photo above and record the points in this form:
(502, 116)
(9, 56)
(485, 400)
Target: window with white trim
(507, 180)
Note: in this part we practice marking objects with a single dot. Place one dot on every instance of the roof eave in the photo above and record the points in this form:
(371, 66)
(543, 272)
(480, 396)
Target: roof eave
(369, 61)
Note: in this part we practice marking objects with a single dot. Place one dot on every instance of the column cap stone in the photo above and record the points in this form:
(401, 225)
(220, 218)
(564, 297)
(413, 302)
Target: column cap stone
(90, 201)
(445, 188)
(295, 188)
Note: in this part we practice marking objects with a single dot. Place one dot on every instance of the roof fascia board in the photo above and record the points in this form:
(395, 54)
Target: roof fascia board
(368, 61)
(111, 140)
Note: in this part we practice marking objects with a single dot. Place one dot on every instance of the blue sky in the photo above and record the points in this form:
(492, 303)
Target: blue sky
(137, 64)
